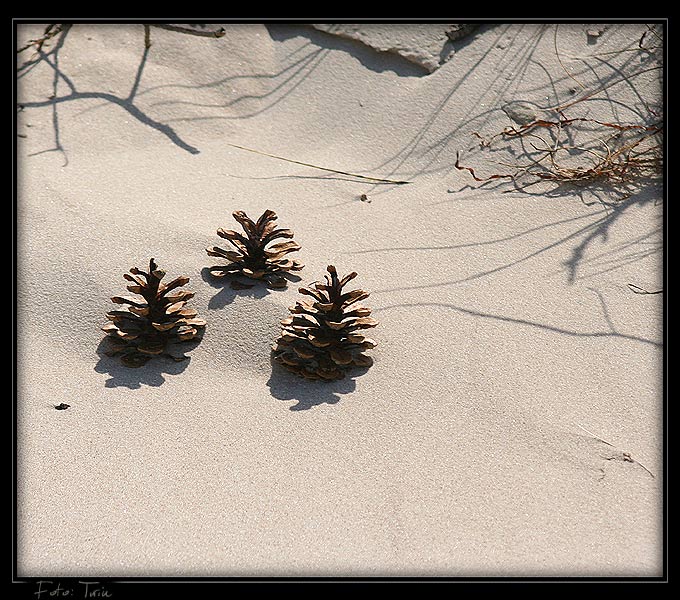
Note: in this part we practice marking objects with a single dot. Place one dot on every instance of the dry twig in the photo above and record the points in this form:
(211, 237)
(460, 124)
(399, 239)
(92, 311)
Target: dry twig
(217, 33)
(638, 290)
(625, 455)
(50, 31)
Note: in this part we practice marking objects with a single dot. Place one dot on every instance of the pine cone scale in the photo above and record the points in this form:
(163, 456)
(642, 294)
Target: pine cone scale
(276, 234)
(175, 283)
(130, 301)
(268, 217)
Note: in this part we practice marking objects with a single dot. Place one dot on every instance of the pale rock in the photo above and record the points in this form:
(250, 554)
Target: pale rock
(427, 45)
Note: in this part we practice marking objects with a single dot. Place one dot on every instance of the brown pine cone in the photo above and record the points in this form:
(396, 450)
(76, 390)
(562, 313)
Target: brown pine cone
(150, 325)
(253, 258)
(322, 339)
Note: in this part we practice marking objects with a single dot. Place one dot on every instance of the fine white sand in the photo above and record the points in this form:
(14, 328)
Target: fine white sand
(507, 331)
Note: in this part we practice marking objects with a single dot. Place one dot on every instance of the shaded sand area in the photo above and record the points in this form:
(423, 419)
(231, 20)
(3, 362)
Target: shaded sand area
(512, 421)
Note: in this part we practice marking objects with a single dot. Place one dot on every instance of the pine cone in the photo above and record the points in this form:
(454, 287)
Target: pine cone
(148, 326)
(321, 339)
(252, 258)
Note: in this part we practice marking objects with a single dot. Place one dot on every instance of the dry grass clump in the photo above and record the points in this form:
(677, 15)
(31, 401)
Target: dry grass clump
(584, 151)
(614, 154)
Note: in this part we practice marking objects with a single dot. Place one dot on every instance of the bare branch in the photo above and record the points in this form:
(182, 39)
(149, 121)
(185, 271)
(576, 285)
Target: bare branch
(50, 31)
(179, 29)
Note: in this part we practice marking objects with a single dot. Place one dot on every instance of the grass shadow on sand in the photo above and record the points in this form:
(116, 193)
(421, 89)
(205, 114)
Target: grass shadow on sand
(580, 261)
(151, 374)
(286, 386)
(279, 85)
(609, 332)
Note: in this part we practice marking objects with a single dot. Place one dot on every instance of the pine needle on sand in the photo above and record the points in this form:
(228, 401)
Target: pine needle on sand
(304, 164)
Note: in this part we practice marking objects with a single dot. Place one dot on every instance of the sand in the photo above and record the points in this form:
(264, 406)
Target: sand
(512, 424)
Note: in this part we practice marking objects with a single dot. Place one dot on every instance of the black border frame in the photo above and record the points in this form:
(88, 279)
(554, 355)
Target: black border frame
(143, 587)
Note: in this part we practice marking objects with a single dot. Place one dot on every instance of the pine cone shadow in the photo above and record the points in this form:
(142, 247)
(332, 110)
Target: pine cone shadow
(227, 294)
(286, 386)
(151, 374)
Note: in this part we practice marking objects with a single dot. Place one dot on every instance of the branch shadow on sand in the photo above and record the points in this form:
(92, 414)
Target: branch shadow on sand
(127, 103)
(286, 386)
(152, 373)
(226, 293)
